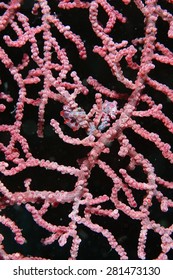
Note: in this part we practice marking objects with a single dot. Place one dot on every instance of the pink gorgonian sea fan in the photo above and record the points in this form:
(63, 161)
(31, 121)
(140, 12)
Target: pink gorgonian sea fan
(86, 94)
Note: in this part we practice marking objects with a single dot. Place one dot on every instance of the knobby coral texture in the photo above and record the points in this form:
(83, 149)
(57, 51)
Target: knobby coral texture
(86, 92)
